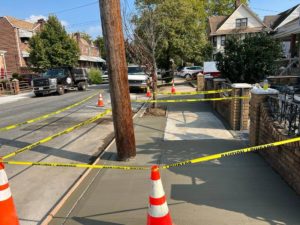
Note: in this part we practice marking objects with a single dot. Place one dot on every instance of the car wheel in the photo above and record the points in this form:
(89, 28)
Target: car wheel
(82, 86)
(188, 76)
(60, 90)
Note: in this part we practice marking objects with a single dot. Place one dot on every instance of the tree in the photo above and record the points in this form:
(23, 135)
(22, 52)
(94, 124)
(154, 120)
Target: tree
(184, 24)
(52, 47)
(99, 42)
(221, 7)
(249, 60)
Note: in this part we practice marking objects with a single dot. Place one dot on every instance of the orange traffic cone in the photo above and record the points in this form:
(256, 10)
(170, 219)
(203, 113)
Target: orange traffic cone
(148, 92)
(8, 214)
(100, 101)
(158, 212)
(173, 90)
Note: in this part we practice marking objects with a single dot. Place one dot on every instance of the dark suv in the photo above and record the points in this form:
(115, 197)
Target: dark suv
(58, 80)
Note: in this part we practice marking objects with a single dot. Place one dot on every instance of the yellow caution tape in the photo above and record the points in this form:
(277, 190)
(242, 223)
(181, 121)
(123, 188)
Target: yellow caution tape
(192, 100)
(66, 131)
(74, 165)
(191, 161)
(195, 92)
(231, 153)
(45, 116)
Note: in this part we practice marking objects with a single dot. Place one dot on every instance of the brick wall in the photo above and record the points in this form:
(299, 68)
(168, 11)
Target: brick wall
(8, 43)
(284, 159)
(234, 111)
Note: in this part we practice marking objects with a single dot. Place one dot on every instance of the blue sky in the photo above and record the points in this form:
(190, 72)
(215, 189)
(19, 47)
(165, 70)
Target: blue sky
(83, 15)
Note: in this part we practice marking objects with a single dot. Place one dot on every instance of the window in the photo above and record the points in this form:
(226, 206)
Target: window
(223, 39)
(240, 23)
(215, 41)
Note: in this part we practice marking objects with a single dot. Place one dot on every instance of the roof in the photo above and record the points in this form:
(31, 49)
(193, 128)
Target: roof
(269, 20)
(22, 24)
(278, 19)
(238, 31)
(215, 22)
(91, 58)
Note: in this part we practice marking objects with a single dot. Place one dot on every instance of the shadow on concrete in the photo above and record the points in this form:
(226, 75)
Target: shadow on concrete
(85, 221)
(243, 184)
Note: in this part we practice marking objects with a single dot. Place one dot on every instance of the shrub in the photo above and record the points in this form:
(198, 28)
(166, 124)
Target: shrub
(95, 76)
(249, 60)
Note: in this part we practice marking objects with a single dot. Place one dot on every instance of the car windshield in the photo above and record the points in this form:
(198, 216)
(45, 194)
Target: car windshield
(135, 70)
(54, 73)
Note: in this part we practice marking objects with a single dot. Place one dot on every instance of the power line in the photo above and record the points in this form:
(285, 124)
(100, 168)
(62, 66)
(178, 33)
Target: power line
(266, 10)
(83, 23)
(74, 8)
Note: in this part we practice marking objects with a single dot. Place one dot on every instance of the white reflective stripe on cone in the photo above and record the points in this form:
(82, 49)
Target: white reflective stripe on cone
(3, 178)
(158, 210)
(5, 194)
(157, 190)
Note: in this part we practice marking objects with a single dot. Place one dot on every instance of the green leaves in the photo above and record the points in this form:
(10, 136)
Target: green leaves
(249, 60)
(183, 24)
(52, 47)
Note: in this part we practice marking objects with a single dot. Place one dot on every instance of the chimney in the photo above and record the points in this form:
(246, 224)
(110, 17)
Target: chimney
(237, 3)
(77, 35)
(41, 22)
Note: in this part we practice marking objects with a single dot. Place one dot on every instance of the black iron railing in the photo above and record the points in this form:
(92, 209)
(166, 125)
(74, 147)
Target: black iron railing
(286, 112)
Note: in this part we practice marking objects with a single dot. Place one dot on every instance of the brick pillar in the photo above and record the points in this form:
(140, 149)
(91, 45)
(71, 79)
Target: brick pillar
(200, 82)
(257, 98)
(239, 108)
(216, 86)
(15, 86)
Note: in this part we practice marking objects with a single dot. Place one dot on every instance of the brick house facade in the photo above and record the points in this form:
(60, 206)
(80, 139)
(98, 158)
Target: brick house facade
(89, 53)
(14, 41)
(14, 37)
(2, 65)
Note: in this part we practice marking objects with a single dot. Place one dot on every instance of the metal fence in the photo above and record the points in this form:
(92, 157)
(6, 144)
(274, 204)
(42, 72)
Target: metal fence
(287, 113)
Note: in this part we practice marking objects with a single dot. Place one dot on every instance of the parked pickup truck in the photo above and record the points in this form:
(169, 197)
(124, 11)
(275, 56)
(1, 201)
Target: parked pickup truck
(137, 77)
(58, 80)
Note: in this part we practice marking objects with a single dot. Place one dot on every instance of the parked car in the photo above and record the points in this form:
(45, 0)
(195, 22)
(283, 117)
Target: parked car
(58, 80)
(137, 78)
(187, 72)
(105, 77)
(210, 68)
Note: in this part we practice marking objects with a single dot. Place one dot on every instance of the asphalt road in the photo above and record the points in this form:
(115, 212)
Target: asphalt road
(36, 190)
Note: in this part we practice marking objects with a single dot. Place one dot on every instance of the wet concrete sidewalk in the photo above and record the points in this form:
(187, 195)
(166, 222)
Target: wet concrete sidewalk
(240, 190)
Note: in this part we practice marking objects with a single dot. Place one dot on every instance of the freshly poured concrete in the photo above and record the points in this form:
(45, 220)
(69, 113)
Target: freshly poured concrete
(185, 125)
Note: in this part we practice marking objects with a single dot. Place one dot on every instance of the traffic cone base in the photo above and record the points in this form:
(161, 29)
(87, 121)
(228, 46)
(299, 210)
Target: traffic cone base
(8, 214)
(148, 94)
(165, 220)
(173, 90)
(158, 211)
(100, 101)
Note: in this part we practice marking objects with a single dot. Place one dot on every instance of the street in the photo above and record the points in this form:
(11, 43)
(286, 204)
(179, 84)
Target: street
(37, 190)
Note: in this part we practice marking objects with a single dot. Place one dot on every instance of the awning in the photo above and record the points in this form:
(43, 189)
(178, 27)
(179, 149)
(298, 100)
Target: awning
(91, 58)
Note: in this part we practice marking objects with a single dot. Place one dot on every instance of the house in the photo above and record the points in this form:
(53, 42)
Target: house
(14, 37)
(241, 22)
(89, 53)
(2, 65)
(14, 44)
(285, 27)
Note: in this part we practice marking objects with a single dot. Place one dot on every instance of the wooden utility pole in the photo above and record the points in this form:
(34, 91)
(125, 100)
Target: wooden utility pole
(117, 69)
